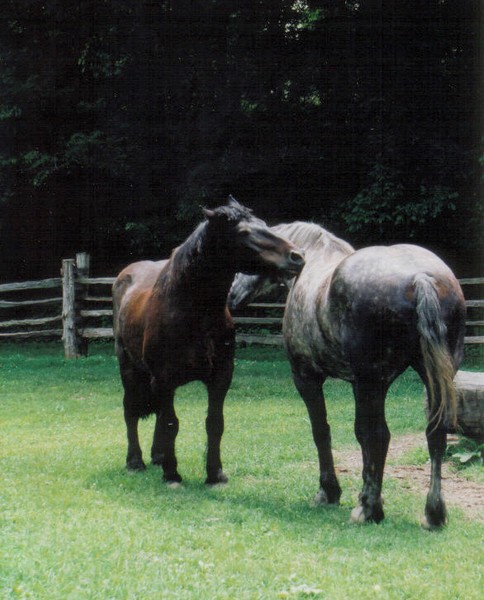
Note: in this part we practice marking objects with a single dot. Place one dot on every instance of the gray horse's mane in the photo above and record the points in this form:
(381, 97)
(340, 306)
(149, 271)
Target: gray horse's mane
(308, 236)
(311, 236)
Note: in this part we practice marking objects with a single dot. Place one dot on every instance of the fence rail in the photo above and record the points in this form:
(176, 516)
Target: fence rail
(48, 309)
(81, 308)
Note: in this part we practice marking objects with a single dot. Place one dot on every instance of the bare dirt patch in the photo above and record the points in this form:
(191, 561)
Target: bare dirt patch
(457, 491)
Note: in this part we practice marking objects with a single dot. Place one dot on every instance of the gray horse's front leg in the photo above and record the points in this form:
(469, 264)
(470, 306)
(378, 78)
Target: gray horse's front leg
(310, 388)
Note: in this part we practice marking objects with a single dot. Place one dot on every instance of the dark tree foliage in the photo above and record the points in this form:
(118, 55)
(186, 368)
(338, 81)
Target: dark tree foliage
(119, 118)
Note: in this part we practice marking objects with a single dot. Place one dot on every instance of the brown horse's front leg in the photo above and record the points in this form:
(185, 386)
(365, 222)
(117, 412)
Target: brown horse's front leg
(166, 430)
(217, 390)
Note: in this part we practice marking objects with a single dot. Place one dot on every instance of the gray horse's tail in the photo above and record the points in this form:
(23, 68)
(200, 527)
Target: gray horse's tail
(437, 360)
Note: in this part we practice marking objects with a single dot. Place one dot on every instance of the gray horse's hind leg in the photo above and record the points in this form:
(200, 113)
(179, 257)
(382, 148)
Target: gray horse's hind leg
(436, 433)
(310, 388)
(435, 511)
(374, 437)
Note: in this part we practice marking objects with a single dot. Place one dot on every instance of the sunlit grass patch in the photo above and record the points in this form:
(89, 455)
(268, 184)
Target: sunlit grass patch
(75, 524)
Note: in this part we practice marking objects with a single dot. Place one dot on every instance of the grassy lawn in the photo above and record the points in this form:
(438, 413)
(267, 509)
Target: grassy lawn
(74, 524)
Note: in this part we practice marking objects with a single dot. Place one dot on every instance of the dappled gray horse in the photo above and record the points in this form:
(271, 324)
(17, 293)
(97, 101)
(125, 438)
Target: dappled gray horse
(365, 316)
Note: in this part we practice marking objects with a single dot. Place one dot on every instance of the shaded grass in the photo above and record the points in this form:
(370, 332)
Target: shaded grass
(75, 524)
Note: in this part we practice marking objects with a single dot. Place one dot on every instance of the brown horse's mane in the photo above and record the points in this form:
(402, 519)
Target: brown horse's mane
(312, 236)
(186, 253)
(194, 247)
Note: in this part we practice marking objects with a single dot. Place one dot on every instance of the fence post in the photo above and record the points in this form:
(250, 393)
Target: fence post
(83, 267)
(83, 264)
(69, 335)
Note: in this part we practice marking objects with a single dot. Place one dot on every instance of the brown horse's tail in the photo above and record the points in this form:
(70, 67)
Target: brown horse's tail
(437, 360)
(120, 285)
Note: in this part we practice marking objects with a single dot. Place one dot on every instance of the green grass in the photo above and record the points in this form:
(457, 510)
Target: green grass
(74, 524)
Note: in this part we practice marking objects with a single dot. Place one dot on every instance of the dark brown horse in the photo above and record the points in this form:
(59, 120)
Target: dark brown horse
(172, 326)
(365, 317)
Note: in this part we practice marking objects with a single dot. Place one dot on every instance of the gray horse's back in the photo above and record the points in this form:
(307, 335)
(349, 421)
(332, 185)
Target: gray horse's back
(390, 267)
(382, 279)
(374, 299)
(363, 311)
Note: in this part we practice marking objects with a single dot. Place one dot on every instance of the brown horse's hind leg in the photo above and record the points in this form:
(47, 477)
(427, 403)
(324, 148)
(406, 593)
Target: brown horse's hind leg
(166, 430)
(134, 458)
(374, 437)
(310, 388)
(136, 397)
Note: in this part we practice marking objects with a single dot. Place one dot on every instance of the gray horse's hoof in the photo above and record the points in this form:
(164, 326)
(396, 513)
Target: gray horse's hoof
(320, 499)
(428, 526)
(358, 515)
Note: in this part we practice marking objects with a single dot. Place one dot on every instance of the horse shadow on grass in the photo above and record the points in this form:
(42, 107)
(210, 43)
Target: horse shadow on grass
(254, 501)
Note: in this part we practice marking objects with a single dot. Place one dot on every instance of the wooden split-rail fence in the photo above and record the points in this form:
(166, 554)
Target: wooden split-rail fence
(76, 308)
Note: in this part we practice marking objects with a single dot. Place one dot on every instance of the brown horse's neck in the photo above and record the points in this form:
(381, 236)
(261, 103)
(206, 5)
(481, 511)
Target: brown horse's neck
(199, 273)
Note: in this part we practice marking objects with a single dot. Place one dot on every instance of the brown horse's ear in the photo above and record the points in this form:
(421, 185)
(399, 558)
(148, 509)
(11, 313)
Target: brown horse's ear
(208, 213)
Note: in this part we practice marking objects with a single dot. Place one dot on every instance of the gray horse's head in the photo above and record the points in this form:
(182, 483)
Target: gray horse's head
(247, 287)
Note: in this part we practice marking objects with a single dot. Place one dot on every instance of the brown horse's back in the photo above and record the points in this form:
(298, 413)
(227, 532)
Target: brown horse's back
(131, 291)
(142, 274)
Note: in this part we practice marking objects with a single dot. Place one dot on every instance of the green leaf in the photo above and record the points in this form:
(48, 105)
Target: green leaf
(465, 457)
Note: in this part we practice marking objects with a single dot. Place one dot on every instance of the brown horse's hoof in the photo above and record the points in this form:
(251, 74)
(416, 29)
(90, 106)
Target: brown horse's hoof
(134, 466)
(219, 479)
(172, 478)
(321, 499)
(173, 485)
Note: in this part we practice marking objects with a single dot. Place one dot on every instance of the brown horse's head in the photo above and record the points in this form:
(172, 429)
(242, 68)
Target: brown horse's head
(254, 247)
